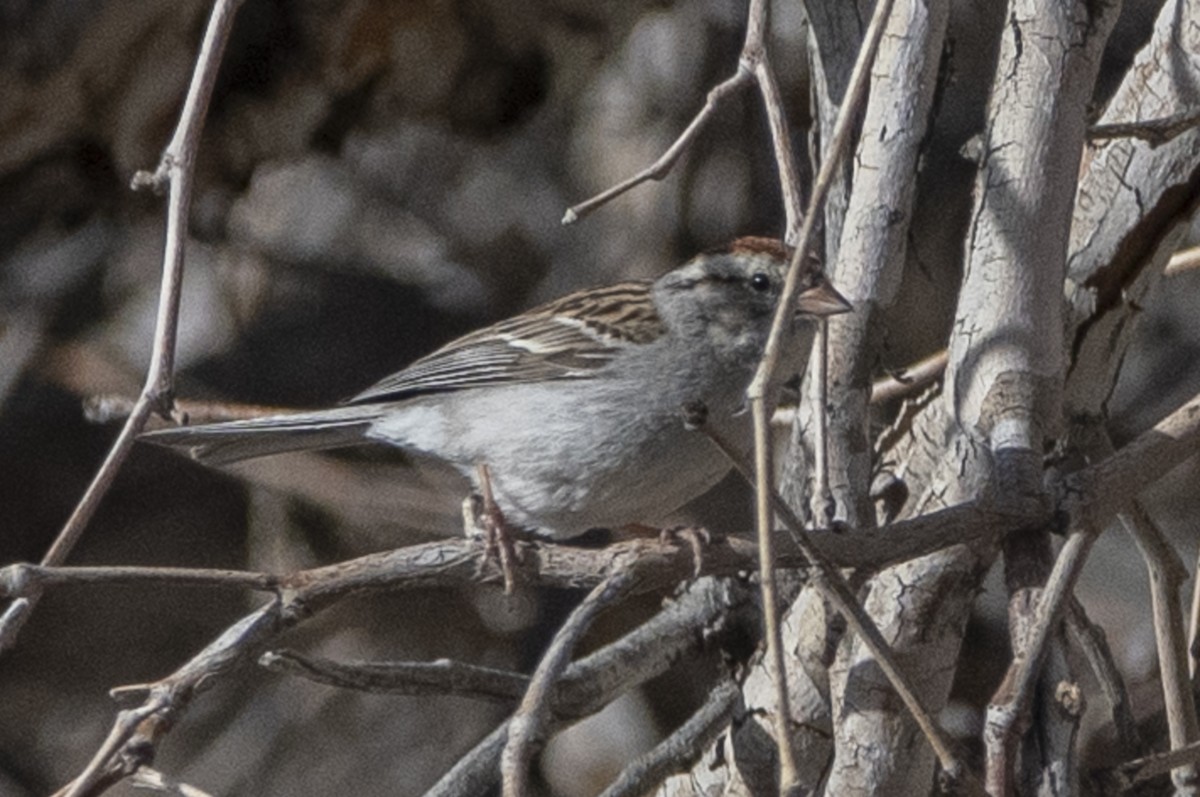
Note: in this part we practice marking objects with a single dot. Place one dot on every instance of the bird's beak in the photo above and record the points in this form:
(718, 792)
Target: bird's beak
(822, 300)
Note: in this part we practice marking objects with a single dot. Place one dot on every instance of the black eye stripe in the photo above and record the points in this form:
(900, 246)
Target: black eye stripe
(759, 280)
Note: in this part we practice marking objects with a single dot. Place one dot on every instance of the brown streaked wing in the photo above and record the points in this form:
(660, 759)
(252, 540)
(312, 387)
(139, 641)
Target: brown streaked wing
(569, 338)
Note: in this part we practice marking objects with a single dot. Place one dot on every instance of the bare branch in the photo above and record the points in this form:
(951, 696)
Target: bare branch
(662, 167)
(442, 677)
(912, 379)
(680, 749)
(147, 778)
(1134, 204)
(134, 737)
(111, 407)
(176, 168)
(837, 591)
(591, 683)
(781, 139)
(904, 382)
(752, 66)
(1094, 644)
(1101, 487)
(1131, 773)
(455, 562)
(757, 392)
(1004, 382)
(837, 149)
(868, 249)
(1153, 131)
(1090, 509)
(19, 579)
(528, 726)
(1185, 260)
(1167, 574)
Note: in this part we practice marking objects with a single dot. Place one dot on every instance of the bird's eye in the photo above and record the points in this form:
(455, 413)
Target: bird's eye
(760, 282)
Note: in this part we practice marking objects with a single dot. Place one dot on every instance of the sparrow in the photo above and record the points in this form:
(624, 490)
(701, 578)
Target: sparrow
(571, 412)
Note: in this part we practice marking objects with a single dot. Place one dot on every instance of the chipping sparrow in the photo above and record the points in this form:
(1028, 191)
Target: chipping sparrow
(574, 406)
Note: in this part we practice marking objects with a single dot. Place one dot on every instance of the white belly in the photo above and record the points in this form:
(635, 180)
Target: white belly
(563, 464)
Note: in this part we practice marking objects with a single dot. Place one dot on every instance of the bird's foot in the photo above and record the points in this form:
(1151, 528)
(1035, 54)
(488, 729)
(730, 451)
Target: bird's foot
(481, 514)
(695, 537)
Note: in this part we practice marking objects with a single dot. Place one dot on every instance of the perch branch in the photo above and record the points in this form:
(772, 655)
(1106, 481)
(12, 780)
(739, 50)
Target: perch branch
(455, 562)
(1101, 488)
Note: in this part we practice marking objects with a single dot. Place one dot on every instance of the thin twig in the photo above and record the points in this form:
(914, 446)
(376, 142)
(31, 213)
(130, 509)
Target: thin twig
(682, 748)
(1092, 641)
(1194, 628)
(94, 775)
(1007, 714)
(838, 146)
(20, 580)
(1184, 260)
(764, 465)
(754, 58)
(1154, 131)
(662, 167)
(781, 139)
(837, 591)
(764, 461)
(442, 677)
(1131, 773)
(912, 379)
(147, 778)
(824, 506)
(756, 393)
(898, 384)
(1167, 574)
(133, 739)
(176, 168)
(110, 407)
(753, 65)
(527, 728)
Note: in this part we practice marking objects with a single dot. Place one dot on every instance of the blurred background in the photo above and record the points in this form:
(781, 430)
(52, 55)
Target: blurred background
(376, 178)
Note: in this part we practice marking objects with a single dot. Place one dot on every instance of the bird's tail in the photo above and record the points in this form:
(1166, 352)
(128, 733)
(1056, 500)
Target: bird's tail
(222, 443)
